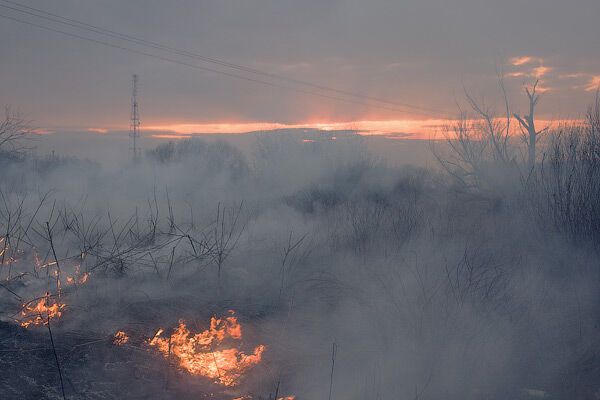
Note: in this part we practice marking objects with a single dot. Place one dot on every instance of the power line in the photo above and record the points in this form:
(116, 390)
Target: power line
(82, 25)
(132, 39)
(135, 51)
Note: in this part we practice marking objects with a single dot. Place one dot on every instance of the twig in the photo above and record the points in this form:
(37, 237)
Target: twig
(55, 259)
(277, 389)
(333, 353)
(168, 364)
(11, 291)
(171, 262)
(62, 386)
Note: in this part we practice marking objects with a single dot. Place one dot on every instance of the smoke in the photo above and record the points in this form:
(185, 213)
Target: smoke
(423, 292)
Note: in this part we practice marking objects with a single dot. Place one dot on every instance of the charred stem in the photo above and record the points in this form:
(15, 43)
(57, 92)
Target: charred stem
(62, 386)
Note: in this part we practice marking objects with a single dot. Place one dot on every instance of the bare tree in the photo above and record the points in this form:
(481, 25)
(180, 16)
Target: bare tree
(13, 131)
(568, 180)
(527, 124)
(225, 235)
(478, 143)
(494, 131)
(480, 151)
(593, 117)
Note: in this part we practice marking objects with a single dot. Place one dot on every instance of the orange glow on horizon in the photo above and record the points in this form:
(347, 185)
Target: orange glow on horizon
(172, 136)
(393, 129)
(98, 130)
(417, 129)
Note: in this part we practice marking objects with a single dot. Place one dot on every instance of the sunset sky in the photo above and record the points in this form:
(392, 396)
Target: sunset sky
(415, 52)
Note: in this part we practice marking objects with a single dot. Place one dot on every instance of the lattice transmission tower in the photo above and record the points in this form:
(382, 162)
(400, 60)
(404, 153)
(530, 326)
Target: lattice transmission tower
(134, 125)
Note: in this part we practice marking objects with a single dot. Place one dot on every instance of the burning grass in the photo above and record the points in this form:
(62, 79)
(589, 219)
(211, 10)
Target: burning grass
(78, 278)
(213, 353)
(40, 311)
(120, 338)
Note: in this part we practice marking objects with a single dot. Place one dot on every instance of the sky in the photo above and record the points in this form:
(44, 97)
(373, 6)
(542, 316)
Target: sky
(417, 52)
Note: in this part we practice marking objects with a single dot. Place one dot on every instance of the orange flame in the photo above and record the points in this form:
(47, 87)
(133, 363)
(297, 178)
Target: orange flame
(210, 353)
(120, 338)
(5, 257)
(39, 314)
(78, 278)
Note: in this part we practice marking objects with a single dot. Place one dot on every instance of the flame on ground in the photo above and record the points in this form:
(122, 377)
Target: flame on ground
(212, 353)
(40, 313)
(120, 338)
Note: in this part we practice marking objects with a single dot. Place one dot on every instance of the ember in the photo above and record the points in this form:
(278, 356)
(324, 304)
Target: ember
(120, 338)
(211, 353)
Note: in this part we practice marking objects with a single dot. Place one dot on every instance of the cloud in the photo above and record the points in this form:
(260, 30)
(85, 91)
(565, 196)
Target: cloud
(97, 130)
(526, 60)
(572, 76)
(392, 50)
(517, 74)
(530, 67)
(555, 78)
(541, 71)
(593, 84)
(582, 81)
(523, 60)
(543, 89)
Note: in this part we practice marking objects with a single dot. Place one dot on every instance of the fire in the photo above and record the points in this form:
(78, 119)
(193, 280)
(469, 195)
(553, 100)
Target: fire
(120, 338)
(4, 246)
(78, 278)
(41, 264)
(212, 353)
(8, 256)
(40, 313)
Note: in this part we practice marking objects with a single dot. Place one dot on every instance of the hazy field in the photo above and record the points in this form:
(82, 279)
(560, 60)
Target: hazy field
(363, 278)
